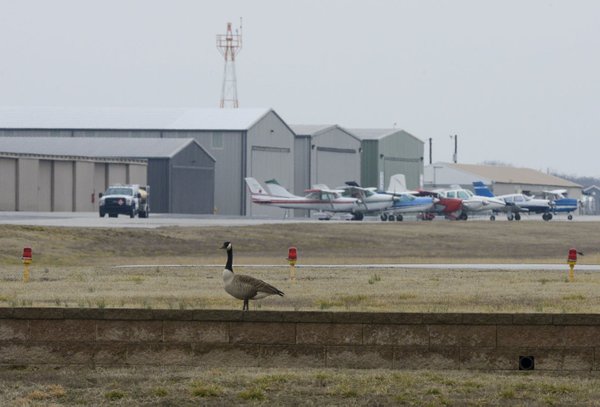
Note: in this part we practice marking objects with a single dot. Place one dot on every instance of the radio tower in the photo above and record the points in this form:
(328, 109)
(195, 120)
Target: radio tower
(229, 45)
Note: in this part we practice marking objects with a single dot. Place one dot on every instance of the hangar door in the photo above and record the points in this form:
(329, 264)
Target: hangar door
(335, 166)
(267, 163)
(192, 190)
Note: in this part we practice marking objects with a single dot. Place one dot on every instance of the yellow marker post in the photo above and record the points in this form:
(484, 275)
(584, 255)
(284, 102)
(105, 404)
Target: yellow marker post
(27, 259)
(572, 260)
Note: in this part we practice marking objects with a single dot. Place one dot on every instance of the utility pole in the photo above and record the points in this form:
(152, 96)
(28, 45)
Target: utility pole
(455, 155)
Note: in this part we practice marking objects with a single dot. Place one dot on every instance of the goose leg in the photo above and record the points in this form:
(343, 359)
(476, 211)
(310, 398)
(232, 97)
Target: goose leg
(245, 307)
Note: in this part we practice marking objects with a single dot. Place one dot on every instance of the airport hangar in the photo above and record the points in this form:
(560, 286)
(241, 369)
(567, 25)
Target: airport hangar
(386, 152)
(67, 173)
(243, 142)
(502, 180)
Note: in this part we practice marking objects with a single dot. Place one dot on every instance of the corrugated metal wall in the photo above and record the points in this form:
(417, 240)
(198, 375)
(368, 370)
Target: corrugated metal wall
(270, 154)
(44, 196)
(226, 147)
(335, 158)
(32, 184)
(403, 154)
(192, 181)
(27, 182)
(158, 179)
(369, 163)
(8, 183)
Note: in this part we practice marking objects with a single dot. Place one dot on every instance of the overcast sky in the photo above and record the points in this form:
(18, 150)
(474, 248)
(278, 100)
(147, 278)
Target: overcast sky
(517, 81)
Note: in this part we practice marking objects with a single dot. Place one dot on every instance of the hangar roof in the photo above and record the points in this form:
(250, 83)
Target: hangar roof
(378, 134)
(511, 175)
(315, 130)
(129, 118)
(96, 147)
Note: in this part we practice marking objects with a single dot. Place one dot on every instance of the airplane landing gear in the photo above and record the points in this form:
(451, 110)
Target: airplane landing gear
(547, 216)
(358, 216)
(570, 217)
(383, 217)
(517, 216)
(492, 218)
(399, 218)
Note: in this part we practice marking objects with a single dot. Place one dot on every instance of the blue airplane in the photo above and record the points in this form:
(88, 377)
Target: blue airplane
(521, 203)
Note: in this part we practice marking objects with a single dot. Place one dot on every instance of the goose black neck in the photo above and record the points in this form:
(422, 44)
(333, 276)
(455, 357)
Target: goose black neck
(229, 264)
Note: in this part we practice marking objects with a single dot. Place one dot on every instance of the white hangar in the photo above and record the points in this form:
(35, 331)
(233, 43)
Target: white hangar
(325, 154)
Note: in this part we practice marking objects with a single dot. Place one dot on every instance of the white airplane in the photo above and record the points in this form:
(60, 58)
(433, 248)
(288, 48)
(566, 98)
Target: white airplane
(472, 203)
(324, 200)
(517, 203)
(368, 199)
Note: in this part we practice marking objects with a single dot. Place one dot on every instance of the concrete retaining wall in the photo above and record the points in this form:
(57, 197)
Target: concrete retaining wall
(298, 339)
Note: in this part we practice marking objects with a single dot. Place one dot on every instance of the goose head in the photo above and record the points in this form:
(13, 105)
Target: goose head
(227, 246)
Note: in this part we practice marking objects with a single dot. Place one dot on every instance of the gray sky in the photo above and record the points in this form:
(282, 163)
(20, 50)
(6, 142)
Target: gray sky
(516, 80)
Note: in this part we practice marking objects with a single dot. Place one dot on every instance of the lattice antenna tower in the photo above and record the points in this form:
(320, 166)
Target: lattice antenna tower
(229, 45)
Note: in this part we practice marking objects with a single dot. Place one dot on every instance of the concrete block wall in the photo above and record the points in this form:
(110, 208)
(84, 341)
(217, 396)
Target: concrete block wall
(65, 336)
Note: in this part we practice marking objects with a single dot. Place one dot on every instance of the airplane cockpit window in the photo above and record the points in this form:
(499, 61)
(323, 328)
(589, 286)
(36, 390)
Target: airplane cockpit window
(509, 199)
(314, 195)
(519, 198)
(451, 194)
(464, 194)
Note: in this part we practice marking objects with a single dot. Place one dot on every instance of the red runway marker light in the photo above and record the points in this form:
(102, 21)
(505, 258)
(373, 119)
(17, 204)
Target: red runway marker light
(292, 253)
(572, 255)
(27, 255)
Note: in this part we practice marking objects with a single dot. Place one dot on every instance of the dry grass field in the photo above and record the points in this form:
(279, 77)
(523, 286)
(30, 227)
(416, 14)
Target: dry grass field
(76, 268)
(79, 267)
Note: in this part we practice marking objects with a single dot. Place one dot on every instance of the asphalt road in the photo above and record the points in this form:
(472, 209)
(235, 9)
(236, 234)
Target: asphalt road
(91, 219)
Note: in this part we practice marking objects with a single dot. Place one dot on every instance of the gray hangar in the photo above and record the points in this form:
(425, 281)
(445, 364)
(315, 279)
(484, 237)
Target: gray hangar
(243, 142)
(67, 173)
(325, 154)
(386, 152)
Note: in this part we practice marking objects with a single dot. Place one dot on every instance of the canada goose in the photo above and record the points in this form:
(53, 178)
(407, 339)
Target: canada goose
(244, 287)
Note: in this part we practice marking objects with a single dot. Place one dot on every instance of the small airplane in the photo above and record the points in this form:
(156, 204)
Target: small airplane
(368, 199)
(517, 203)
(390, 205)
(560, 202)
(320, 199)
(451, 208)
(472, 203)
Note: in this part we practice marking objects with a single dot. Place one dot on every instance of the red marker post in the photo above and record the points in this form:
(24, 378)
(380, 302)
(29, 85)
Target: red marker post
(27, 259)
(572, 260)
(292, 258)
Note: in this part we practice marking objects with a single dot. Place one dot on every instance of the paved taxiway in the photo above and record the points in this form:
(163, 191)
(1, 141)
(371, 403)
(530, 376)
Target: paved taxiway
(91, 219)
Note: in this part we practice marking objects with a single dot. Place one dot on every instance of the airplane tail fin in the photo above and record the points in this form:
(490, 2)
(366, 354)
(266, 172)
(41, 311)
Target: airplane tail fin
(397, 184)
(276, 189)
(481, 189)
(255, 187)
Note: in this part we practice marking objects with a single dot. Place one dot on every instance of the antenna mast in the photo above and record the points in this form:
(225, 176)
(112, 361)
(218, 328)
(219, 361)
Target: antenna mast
(229, 45)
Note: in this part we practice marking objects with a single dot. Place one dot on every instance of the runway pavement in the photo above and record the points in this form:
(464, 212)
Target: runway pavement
(91, 219)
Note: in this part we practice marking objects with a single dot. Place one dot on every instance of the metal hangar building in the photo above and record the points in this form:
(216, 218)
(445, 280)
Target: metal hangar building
(325, 154)
(243, 142)
(386, 152)
(67, 173)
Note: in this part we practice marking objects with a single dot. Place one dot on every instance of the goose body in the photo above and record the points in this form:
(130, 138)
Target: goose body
(244, 287)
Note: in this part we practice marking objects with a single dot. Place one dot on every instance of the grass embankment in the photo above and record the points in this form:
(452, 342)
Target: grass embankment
(74, 267)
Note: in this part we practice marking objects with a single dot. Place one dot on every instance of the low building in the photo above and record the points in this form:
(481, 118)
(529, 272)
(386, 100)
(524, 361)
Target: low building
(502, 180)
(67, 173)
